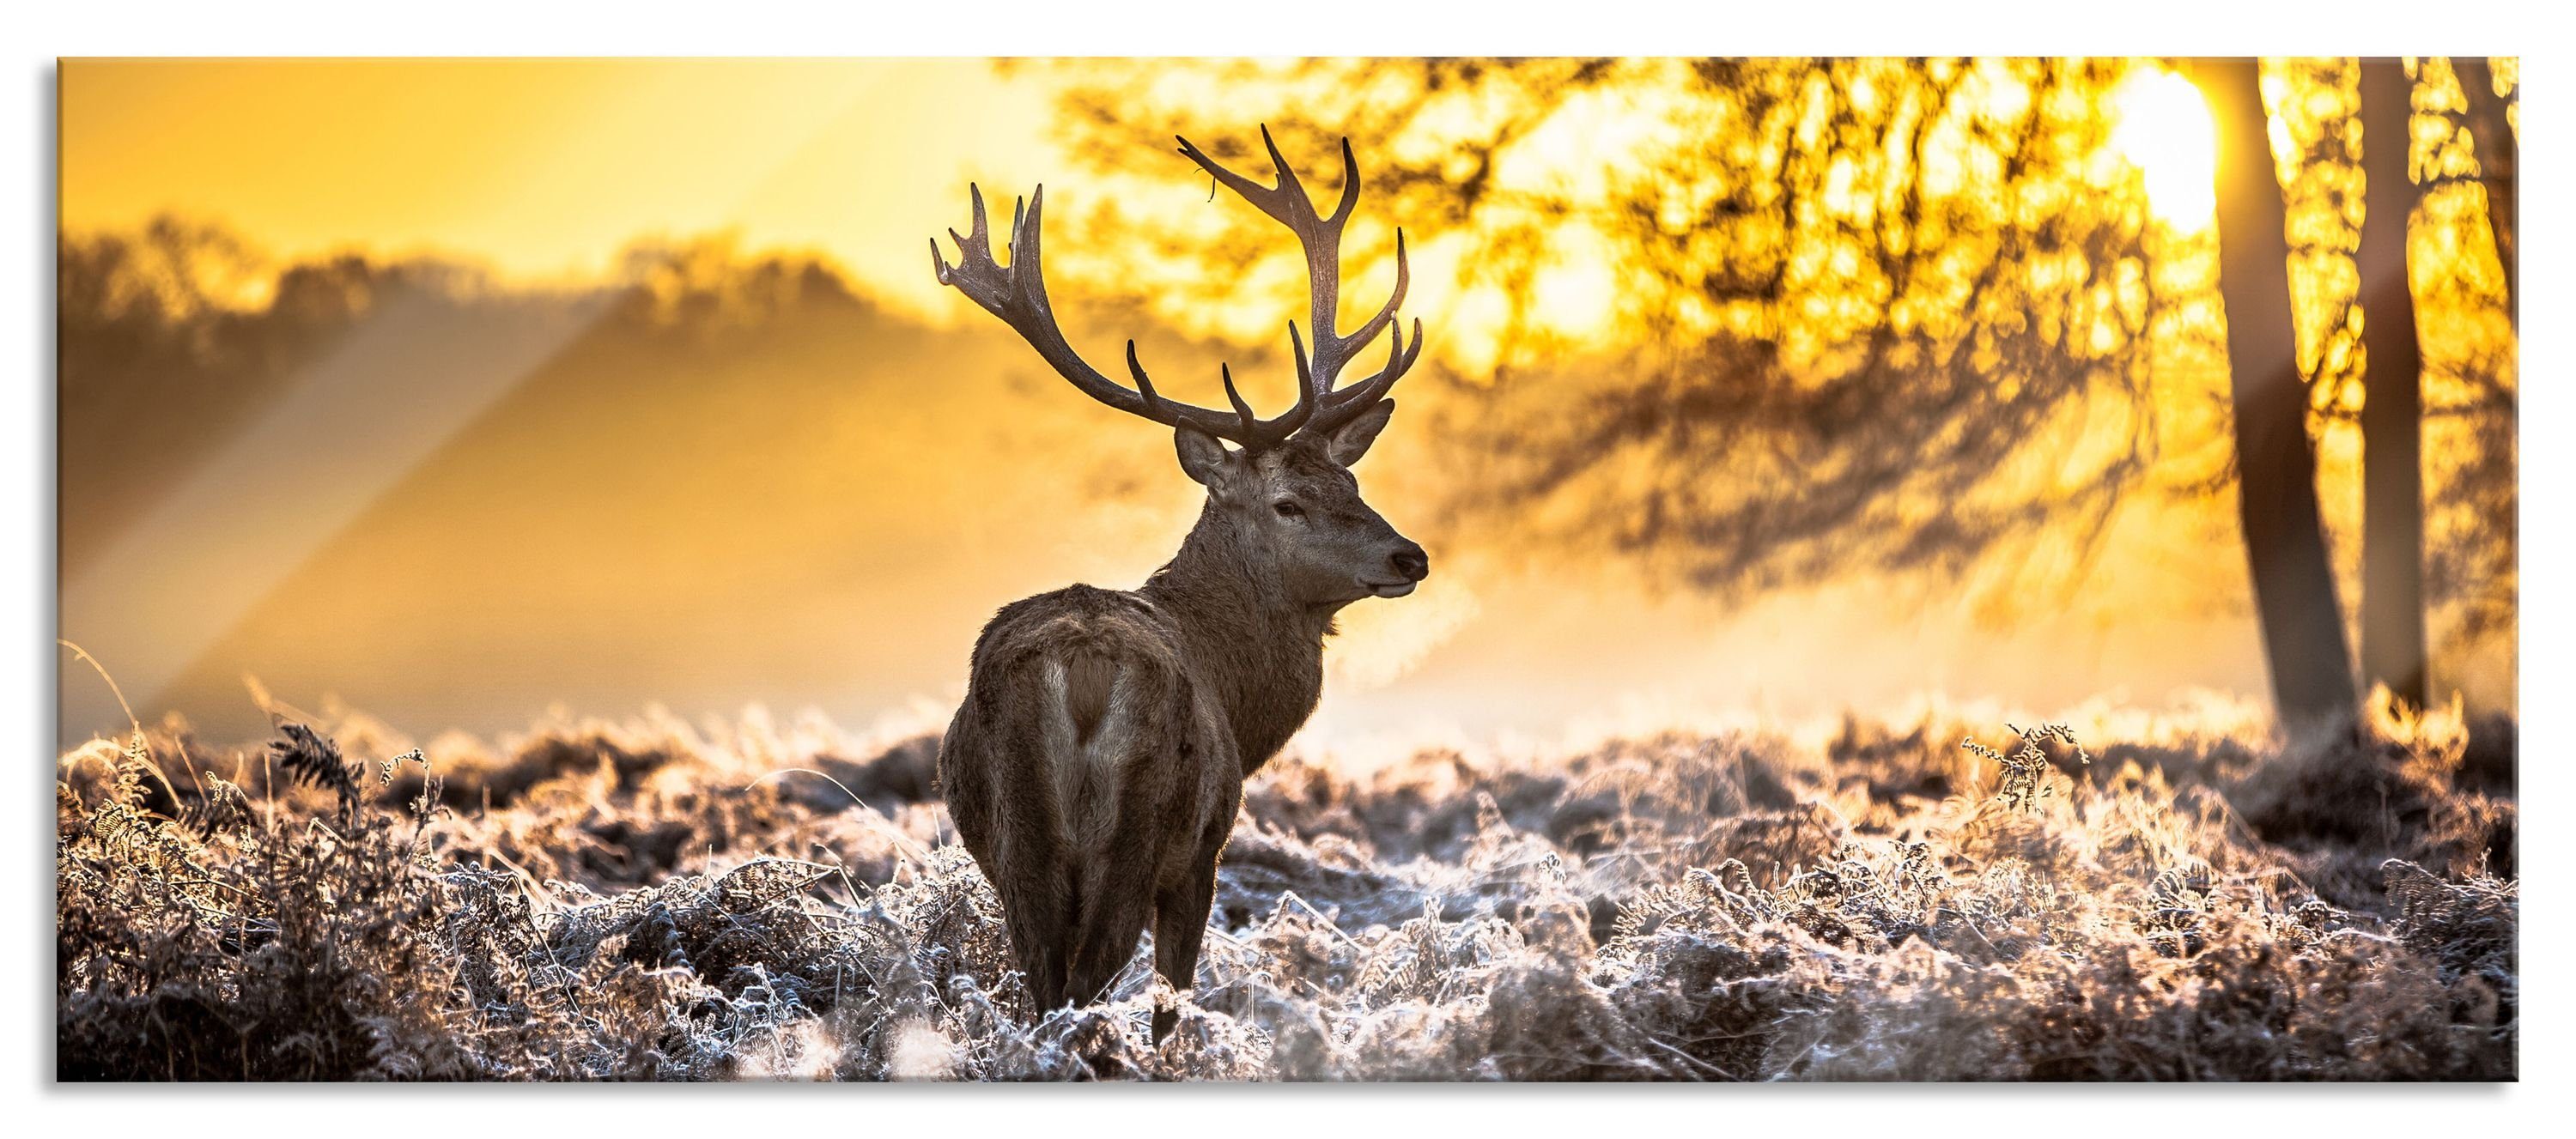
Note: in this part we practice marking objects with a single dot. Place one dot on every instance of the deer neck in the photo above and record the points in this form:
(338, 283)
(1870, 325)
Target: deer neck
(1261, 653)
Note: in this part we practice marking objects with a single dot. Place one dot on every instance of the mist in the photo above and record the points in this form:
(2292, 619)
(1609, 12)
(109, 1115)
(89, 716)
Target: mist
(735, 480)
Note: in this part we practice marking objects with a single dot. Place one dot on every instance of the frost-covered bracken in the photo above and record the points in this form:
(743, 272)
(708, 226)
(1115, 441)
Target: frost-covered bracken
(2178, 898)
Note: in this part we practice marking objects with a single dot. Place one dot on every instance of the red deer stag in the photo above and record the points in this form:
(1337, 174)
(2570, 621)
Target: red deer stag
(1096, 766)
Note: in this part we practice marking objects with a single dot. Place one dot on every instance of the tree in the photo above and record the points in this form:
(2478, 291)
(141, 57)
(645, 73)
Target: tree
(2471, 409)
(2392, 412)
(1877, 316)
(2491, 129)
(2294, 588)
(1871, 307)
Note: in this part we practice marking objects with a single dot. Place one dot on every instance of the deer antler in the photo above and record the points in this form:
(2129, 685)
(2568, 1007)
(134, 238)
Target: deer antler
(1017, 294)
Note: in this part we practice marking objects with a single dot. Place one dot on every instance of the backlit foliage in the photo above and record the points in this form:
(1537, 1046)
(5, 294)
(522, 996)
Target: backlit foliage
(1847, 293)
(2471, 378)
(1760, 323)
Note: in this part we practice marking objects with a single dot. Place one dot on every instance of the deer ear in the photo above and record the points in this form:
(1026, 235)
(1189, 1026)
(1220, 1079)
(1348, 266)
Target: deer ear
(1203, 458)
(1351, 440)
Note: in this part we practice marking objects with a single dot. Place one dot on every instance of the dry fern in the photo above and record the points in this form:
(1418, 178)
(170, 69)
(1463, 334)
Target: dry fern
(637, 904)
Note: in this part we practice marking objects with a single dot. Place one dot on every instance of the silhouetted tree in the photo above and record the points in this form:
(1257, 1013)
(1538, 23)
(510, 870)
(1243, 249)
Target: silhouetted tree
(2392, 413)
(2294, 587)
(1871, 302)
(1873, 314)
(2465, 376)
(2473, 542)
(2491, 131)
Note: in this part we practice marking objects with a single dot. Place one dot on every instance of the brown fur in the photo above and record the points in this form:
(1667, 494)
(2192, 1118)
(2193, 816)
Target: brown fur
(1087, 680)
(1096, 765)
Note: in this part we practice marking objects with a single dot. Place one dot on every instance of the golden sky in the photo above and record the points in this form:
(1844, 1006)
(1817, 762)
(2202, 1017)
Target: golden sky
(546, 168)
(468, 557)
(542, 169)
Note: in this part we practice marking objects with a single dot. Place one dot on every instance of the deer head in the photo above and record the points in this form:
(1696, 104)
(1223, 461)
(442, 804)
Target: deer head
(1283, 492)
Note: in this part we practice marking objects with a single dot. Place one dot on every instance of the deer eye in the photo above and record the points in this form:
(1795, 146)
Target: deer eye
(1288, 509)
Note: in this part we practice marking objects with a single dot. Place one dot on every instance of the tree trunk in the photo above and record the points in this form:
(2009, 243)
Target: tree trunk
(2491, 132)
(2294, 589)
(2392, 410)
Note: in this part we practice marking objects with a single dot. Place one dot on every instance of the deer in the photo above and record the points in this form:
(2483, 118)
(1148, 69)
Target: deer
(1096, 764)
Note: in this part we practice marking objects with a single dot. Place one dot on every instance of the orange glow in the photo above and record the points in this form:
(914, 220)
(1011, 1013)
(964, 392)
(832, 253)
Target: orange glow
(2165, 130)
(811, 487)
(545, 169)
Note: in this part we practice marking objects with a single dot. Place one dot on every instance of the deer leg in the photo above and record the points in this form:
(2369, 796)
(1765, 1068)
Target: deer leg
(1015, 838)
(1117, 896)
(1037, 912)
(1181, 920)
(1110, 921)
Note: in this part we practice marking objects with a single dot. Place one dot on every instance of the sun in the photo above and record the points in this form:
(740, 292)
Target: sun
(2161, 124)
